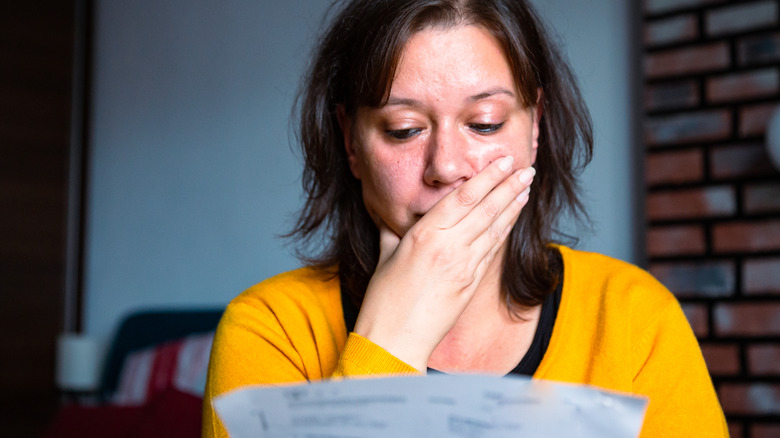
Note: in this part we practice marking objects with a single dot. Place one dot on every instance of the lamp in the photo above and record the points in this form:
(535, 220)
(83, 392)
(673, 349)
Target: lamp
(77, 363)
(773, 137)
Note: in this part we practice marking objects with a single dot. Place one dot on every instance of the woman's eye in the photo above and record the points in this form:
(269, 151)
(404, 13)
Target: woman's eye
(485, 128)
(403, 134)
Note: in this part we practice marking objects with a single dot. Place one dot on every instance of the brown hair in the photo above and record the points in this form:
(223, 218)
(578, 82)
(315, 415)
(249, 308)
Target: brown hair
(354, 66)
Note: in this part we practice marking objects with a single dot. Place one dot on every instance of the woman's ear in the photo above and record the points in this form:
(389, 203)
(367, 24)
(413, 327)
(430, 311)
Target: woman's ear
(536, 113)
(345, 123)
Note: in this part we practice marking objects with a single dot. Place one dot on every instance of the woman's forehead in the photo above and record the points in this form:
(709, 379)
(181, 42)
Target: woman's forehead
(464, 62)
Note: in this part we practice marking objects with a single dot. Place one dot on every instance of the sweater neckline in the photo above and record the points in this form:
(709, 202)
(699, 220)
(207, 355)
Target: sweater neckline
(563, 313)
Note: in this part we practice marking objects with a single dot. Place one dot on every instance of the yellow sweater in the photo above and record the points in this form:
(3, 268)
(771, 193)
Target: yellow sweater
(617, 328)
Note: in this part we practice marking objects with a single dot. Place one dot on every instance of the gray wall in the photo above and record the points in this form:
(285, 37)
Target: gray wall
(192, 175)
(599, 38)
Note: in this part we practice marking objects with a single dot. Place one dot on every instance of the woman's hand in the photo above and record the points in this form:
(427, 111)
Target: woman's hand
(424, 281)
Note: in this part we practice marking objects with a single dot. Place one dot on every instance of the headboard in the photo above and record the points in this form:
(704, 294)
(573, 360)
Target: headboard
(147, 328)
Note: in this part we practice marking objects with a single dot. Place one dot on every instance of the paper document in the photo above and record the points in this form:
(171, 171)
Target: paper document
(438, 405)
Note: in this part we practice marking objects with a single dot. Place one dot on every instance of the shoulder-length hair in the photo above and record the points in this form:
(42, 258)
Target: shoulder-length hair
(354, 65)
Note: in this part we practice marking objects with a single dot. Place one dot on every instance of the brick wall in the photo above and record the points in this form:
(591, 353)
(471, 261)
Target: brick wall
(712, 79)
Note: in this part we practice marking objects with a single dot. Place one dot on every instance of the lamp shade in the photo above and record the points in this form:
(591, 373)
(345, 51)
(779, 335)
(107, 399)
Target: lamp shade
(77, 363)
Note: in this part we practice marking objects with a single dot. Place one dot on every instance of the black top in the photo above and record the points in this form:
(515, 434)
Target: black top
(533, 357)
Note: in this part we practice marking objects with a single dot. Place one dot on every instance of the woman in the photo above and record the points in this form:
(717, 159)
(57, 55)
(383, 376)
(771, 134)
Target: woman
(442, 140)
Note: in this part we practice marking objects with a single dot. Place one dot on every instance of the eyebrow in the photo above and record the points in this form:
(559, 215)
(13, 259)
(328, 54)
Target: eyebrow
(491, 93)
(400, 101)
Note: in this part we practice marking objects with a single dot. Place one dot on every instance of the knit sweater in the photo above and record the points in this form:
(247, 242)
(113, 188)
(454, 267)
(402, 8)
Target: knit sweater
(617, 328)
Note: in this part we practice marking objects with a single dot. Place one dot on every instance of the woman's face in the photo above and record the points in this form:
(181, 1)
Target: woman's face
(453, 108)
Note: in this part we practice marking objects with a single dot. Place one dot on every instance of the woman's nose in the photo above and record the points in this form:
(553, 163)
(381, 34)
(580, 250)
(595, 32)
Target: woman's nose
(449, 159)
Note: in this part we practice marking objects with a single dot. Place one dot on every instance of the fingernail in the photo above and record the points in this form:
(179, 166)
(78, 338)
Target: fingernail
(506, 163)
(523, 196)
(527, 175)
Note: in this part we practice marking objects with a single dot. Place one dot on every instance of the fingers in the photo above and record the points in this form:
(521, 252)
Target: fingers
(499, 208)
(489, 235)
(481, 212)
(492, 240)
(484, 209)
(462, 201)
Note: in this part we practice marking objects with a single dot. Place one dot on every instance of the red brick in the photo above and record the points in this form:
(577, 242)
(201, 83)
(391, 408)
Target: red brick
(741, 86)
(748, 319)
(764, 359)
(674, 167)
(671, 95)
(761, 276)
(762, 198)
(691, 203)
(687, 127)
(740, 160)
(735, 430)
(747, 236)
(671, 30)
(759, 49)
(741, 17)
(721, 359)
(697, 318)
(696, 279)
(753, 119)
(750, 398)
(765, 430)
(660, 6)
(675, 240)
(687, 60)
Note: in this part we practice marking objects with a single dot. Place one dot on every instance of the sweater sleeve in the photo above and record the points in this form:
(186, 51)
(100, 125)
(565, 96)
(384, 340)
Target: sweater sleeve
(362, 357)
(248, 349)
(672, 373)
(279, 332)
